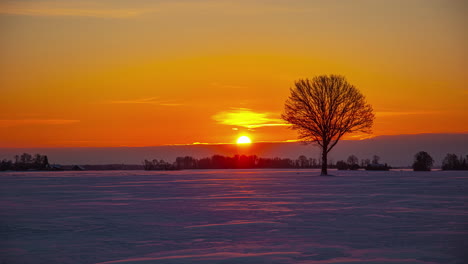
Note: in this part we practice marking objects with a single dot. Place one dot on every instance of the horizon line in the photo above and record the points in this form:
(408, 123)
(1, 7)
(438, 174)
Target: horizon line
(230, 143)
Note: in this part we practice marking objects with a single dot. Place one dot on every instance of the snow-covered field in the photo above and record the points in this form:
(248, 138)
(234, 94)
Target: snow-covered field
(233, 216)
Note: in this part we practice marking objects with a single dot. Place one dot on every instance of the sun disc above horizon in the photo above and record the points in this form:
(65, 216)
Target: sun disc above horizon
(244, 140)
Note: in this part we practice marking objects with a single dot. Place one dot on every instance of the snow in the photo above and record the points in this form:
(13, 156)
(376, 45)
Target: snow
(233, 216)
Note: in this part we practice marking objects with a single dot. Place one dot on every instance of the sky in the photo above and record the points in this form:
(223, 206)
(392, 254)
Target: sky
(114, 73)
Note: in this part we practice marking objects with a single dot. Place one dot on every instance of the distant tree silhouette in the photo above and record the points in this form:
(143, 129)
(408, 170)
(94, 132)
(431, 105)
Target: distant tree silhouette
(422, 161)
(342, 165)
(374, 164)
(313, 163)
(186, 162)
(234, 162)
(26, 158)
(157, 165)
(6, 165)
(25, 162)
(303, 161)
(324, 109)
(353, 162)
(452, 162)
(45, 162)
(365, 162)
(377, 167)
(375, 159)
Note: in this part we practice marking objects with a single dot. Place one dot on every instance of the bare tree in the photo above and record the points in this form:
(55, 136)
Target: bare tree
(375, 159)
(365, 162)
(353, 160)
(303, 161)
(324, 109)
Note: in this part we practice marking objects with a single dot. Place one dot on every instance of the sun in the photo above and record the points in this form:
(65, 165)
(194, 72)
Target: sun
(244, 140)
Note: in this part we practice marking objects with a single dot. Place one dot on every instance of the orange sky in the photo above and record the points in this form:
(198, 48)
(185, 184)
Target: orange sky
(142, 73)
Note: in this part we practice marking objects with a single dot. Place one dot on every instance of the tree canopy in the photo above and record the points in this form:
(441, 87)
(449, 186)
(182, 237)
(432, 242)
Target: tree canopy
(324, 109)
(422, 161)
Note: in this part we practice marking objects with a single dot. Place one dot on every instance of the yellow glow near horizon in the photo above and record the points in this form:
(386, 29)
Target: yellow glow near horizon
(244, 140)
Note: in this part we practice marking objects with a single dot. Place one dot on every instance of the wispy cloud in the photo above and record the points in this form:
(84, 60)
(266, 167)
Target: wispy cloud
(358, 136)
(244, 117)
(25, 122)
(149, 100)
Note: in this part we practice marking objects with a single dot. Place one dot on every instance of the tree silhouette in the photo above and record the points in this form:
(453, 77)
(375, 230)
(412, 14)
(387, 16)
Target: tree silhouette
(375, 159)
(342, 165)
(452, 162)
(303, 162)
(324, 109)
(45, 162)
(26, 158)
(422, 161)
(365, 162)
(353, 162)
(26, 162)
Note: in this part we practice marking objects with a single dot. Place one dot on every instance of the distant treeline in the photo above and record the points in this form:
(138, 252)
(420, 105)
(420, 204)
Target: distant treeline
(26, 162)
(352, 163)
(249, 162)
(38, 162)
(424, 162)
(234, 162)
(453, 162)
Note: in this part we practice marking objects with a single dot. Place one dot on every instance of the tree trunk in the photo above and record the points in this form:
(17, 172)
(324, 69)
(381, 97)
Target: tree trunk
(324, 162)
